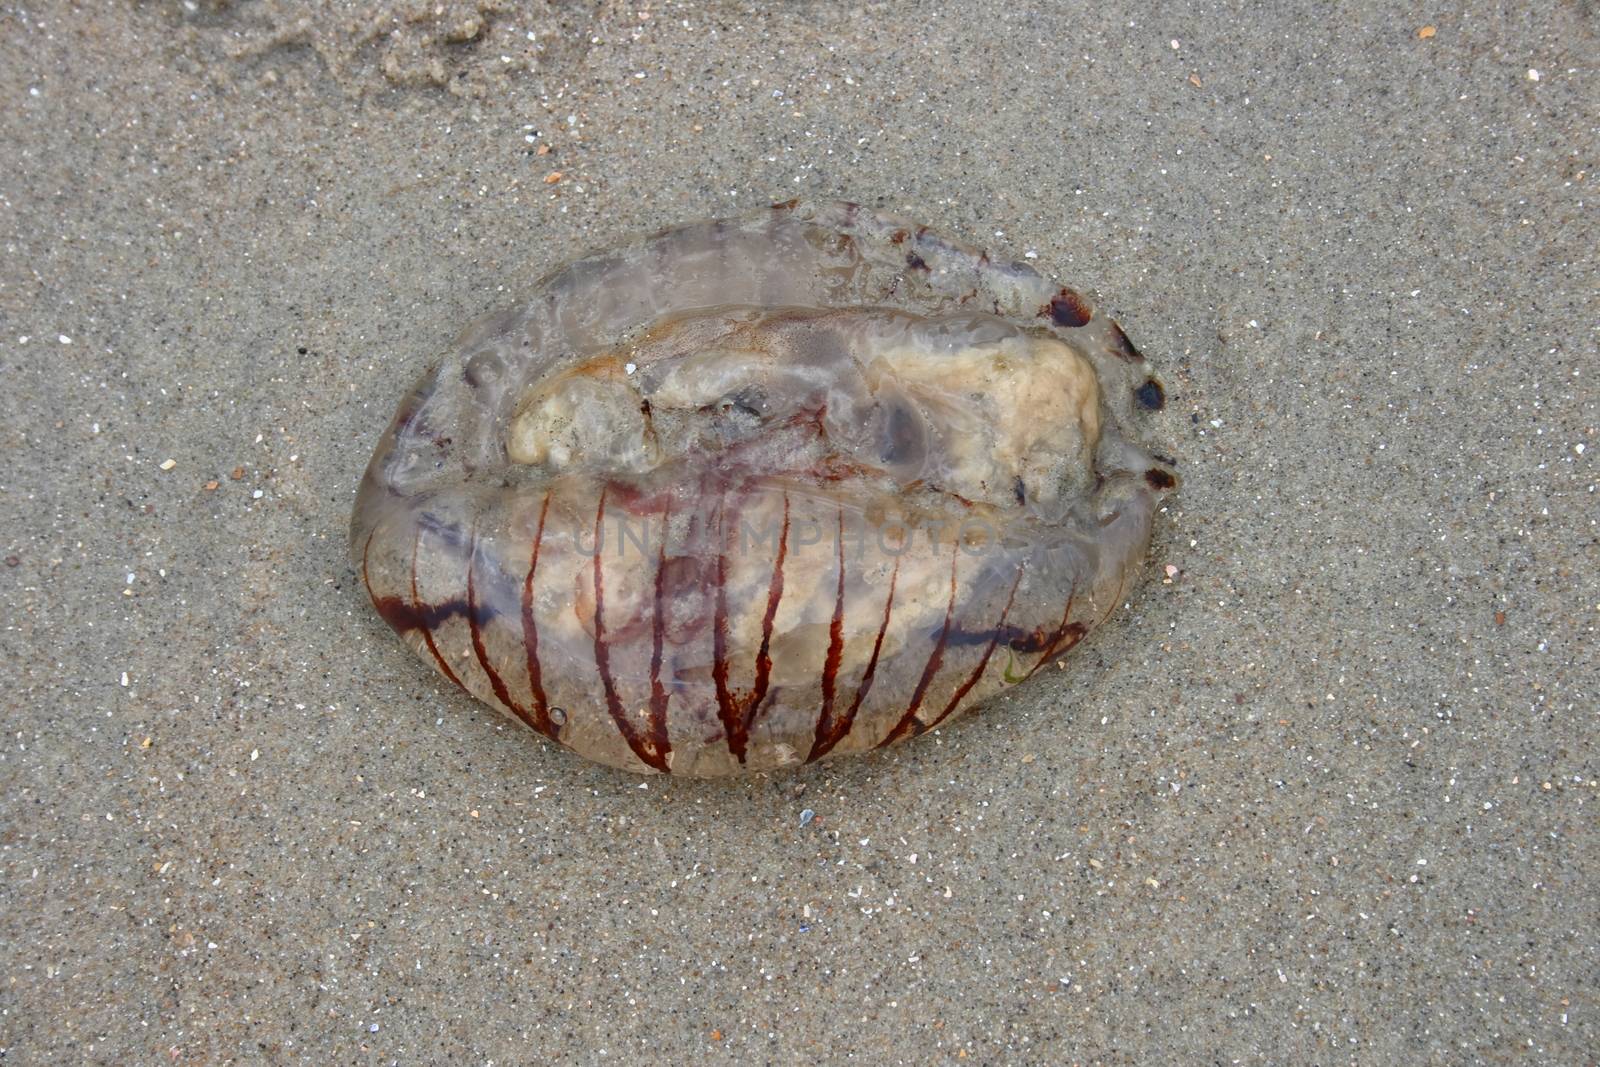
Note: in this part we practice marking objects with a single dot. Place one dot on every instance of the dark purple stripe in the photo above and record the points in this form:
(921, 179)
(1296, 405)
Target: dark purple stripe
(983, 663)
(658, 693)
(764, 655)
(727, 710)
(530, 637)
(427, 631)
(842, 728)
(642, 747)
(1060, 632)
(826, 725)
(501, 693)
(935, 660)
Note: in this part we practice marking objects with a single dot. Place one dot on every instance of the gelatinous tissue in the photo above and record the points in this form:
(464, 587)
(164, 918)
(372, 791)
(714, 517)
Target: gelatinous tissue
(751, 492)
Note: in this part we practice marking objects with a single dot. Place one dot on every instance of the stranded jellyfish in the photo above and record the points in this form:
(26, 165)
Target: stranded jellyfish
(751, 492)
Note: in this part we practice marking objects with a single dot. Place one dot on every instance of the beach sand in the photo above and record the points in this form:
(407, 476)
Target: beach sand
(1325, 791)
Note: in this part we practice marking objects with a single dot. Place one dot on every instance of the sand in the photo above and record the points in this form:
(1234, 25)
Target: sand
(1326, 791)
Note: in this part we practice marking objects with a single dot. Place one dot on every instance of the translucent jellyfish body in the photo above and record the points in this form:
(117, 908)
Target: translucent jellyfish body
(751, 492)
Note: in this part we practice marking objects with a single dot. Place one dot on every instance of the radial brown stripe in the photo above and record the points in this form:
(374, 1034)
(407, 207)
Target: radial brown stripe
(530, 637)
(840, 729)
(658, 693)
(726, 709)
(935, 660)
(366, 579)
(496, 683)
(983, 663)
(739, 714)
(1061, 632)
(642, 747)
(774, 596)
(830, 665)
(422, 623)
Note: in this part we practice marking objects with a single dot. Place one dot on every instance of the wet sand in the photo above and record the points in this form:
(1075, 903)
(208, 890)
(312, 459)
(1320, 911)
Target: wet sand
(1324, 792)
